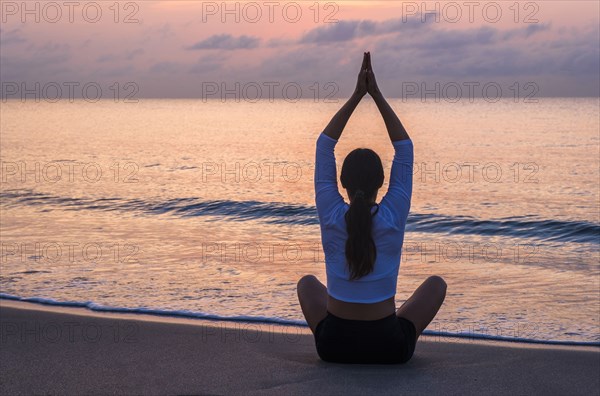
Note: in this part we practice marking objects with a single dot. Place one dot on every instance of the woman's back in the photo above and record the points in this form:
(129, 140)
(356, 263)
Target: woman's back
(387, 228)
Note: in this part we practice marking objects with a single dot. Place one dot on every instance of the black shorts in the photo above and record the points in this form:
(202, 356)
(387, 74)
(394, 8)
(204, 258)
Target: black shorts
(384, 341)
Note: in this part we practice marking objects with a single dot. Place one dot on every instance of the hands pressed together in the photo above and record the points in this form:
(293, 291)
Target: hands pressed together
(366, 85)
(366, 79)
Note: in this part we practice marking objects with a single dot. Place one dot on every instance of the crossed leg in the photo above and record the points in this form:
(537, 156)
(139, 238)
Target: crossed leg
(424, 303)
(312, 295)
(420, 308)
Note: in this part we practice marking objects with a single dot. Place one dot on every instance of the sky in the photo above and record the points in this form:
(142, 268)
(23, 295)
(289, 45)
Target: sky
(307, 49)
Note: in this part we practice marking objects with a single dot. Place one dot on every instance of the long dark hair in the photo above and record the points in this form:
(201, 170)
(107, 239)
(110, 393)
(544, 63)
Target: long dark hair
(362, 176)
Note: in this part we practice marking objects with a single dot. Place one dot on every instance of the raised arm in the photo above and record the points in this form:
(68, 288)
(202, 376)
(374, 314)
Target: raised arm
(398, 197)
(327, 195)
(394, 127)
(337, 124)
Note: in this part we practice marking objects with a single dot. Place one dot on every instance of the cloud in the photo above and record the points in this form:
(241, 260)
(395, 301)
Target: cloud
(226, 42)
(117, 72)
(565, 59)
(487, 53)
(533, 29)
(163, 32)
(165, 67)
(341, 31)
(431, 53)
(52, 60)
(208, 64)
(280, 42)
(11, 37)
(444, 40)
(526, 32)
(127, 55)
(402, 25)
(353, 29)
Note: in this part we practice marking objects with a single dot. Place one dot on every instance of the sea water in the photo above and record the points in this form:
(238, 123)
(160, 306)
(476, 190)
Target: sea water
(206, 208)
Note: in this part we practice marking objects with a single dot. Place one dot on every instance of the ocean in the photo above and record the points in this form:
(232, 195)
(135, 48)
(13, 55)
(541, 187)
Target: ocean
(205, 208)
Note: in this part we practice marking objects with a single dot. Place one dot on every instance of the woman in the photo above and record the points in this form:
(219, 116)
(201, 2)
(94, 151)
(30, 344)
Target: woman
(354, 319)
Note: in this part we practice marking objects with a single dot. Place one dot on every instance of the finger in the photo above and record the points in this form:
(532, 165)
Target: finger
(369, 67)
(364, 62)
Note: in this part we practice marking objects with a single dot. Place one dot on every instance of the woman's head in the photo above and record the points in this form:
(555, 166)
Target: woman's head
(362, 176)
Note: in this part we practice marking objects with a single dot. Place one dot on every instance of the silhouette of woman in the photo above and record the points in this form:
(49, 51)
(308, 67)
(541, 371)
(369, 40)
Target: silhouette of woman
(354, 319)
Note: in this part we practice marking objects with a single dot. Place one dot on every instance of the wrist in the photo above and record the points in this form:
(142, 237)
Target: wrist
(377, 95)
(357, 95)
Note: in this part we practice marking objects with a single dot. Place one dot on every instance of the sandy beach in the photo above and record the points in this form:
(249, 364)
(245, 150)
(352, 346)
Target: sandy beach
(57, 350)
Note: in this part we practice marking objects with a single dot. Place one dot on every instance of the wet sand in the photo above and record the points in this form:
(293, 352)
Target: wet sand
(56, 350)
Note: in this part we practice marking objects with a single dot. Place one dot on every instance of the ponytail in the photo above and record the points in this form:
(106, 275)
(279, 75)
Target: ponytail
(360, 247)
(362, 176)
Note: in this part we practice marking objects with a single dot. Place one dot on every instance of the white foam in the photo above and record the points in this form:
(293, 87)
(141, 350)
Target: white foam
(269, 320)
